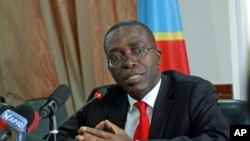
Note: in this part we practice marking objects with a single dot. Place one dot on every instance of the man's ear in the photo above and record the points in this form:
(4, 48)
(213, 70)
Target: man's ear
(158, 56)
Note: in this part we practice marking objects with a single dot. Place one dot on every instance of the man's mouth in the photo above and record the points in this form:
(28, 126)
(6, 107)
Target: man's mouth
(133, 78)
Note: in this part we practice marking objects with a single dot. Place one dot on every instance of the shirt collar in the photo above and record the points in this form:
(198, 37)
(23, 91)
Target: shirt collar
(149, 98)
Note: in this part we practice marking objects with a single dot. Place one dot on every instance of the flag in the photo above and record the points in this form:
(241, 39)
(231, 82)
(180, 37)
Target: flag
(163, 18)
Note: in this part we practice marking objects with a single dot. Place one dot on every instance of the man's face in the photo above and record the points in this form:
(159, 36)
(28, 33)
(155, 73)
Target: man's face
(136, 76)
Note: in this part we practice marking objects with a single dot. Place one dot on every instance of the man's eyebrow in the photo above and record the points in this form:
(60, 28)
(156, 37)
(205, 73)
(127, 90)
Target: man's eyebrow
(115, 49)
(135, 43)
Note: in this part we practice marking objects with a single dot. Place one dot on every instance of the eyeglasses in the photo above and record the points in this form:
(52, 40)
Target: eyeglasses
(137, 54)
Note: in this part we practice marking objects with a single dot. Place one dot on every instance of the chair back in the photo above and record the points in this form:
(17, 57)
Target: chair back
(236, 111)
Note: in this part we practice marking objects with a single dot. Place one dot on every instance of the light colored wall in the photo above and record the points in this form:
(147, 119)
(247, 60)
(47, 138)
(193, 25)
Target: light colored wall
(217, 41)
(207, 36)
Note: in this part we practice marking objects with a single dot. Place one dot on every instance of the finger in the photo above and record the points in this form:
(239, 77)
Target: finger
(79, 138)
(81, 130)
(97, 132)
(101, 125)
(112, 127)
(106, 125)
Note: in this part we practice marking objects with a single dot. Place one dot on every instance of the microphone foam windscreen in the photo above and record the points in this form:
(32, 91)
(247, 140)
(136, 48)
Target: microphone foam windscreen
(35, 122)
(26, 111)
(60, 95)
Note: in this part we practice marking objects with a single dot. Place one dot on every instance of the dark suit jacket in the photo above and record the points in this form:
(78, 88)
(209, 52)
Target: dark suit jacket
(186, 108)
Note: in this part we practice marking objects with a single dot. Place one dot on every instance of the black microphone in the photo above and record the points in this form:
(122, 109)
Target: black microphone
(55, 101)
(99, 94)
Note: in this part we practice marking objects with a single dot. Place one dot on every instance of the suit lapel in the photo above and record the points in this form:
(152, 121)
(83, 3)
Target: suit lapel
(162, 109)
(118, 111)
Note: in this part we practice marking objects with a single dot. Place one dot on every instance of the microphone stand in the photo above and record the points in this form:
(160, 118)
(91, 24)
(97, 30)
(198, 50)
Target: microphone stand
(53, 122)
(53, 127)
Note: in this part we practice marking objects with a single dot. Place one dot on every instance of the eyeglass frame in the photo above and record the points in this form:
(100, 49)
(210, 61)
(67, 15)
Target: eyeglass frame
(132, 56)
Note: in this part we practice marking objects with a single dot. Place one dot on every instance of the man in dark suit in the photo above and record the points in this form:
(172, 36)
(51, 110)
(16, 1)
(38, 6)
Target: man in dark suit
(179, 107)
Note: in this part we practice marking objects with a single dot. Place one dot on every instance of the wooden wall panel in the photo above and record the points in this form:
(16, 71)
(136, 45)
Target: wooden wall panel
(224, 91)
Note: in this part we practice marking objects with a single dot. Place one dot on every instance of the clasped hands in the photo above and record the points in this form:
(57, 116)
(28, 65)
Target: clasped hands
(100, 133)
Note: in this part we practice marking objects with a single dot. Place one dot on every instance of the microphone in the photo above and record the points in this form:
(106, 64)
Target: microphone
(55, 101)
(98, 95)
(20, 119)
(33, 119)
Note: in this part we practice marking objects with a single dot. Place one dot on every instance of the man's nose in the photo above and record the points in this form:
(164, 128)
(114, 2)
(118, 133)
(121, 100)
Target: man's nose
(129, 61)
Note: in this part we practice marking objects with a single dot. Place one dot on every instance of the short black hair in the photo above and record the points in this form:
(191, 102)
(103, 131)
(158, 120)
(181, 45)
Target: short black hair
(127, 23)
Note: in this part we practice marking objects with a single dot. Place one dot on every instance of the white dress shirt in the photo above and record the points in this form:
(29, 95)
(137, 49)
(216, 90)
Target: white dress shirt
(133, 113)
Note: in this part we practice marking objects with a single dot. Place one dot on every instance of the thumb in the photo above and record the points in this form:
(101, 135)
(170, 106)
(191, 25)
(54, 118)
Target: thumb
(101, 125)
(109, 126)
